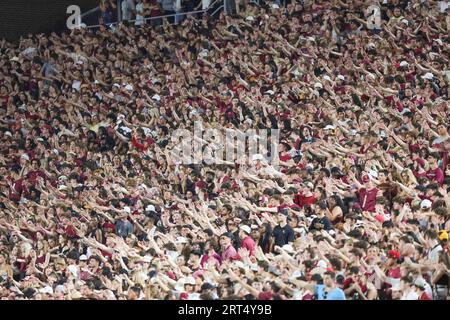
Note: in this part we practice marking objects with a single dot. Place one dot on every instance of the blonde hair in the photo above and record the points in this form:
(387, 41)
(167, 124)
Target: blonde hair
(139, 277)
(411, 178)
(26, 248)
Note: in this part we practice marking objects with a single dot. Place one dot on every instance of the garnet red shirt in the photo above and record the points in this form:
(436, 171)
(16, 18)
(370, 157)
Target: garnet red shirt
(265, 295)
(436, 175)
(367, 199)
(249, 244)
(302, 200)
(424, 296)
(286, 157)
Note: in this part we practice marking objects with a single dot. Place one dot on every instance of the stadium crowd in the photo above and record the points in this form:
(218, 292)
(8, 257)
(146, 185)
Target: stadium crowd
(94, 207)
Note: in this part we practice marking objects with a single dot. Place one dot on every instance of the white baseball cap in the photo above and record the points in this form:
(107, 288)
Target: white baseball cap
(322, 264)
(246, 229)
(46, 289)
(425, 204)
(181, 240)
(189, 280)
(428, 76)
(83, 257)
(257, 157)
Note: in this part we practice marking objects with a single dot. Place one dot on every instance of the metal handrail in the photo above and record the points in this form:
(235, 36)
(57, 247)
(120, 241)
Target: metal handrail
(89, 12)
(119, 13)
(149, 18)
(218, 8)
(160, 17)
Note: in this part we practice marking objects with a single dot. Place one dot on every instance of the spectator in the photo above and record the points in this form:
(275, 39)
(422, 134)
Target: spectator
(128, 9)
(94, 204)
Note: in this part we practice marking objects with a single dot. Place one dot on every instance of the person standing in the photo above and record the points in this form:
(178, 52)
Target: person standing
(326, 291)
(234, 230)
(139, 10)
(178, 8)
(247, 241)
(128, 8)
(168, 8)
(228, 251)
(283, 233)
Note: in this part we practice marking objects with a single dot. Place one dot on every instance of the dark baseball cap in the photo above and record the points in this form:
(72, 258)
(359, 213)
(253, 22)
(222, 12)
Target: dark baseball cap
(227, 234)
(207, 286)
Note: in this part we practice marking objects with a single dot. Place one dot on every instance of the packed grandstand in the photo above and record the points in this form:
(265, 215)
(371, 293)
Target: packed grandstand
(94, 206)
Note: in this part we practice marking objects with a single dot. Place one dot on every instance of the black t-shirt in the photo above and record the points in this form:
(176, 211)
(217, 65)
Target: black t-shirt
(322, 224)
(283, 235)
(236, 240)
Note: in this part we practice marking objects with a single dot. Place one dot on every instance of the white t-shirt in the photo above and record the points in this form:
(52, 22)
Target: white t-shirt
(410, 296)
(205, 4)
(374, 19)
(433, 255)
(76, 84)
(139, 14)
(177, 5)
(443, 5)
(127, 9)
(447, 76)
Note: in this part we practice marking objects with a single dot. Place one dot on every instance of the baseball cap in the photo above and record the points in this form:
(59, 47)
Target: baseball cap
(207, 286)
(420, 282)
(257, 157)
(394, 254)
(425, 204)
(83, 257)
(246, 229)
(181, 240)
(309, 184)
(318, 85)
(227, 234)
(189, 280)
(443, 235)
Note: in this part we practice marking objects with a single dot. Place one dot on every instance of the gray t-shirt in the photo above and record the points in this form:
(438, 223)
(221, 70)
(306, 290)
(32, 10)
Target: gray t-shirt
(127, 9)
